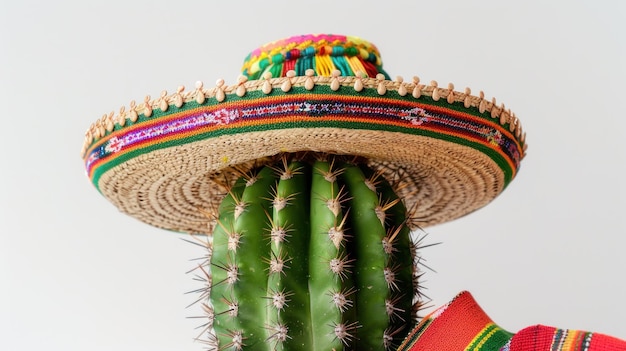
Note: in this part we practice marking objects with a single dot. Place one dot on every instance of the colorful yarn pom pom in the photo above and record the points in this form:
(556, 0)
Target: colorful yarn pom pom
(321, 53)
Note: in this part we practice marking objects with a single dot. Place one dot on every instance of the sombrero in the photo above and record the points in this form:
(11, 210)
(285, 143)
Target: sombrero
(163, 161)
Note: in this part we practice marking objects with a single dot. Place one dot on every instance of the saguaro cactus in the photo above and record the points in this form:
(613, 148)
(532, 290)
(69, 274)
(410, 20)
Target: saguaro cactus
(311, 255)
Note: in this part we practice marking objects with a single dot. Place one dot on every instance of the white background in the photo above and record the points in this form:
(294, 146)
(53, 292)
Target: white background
(76, 274)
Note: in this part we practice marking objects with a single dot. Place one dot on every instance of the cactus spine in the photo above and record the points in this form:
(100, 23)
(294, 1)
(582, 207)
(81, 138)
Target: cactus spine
(311, 255)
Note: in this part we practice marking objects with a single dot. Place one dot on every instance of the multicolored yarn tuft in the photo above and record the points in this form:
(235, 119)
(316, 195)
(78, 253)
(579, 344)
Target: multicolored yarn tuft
(323, 53)
(462, 325)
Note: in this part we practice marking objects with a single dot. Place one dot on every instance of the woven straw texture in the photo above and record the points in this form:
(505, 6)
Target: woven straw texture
(148, 188)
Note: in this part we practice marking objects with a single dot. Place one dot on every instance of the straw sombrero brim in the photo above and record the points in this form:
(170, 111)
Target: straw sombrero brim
(164, 161)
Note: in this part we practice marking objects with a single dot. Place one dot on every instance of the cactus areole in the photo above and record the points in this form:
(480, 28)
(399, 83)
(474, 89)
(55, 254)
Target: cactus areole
(307, 177)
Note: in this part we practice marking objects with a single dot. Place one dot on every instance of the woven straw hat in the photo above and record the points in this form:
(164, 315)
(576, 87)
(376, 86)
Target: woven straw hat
(163, 161)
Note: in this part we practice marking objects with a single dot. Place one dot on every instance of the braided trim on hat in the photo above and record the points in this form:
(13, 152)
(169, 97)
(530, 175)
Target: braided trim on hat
(112, 121)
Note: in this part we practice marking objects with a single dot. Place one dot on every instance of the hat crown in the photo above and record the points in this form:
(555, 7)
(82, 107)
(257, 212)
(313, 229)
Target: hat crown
(323, 53)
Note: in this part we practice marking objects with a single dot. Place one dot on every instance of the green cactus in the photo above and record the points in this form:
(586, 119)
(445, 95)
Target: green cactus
(311, 254)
